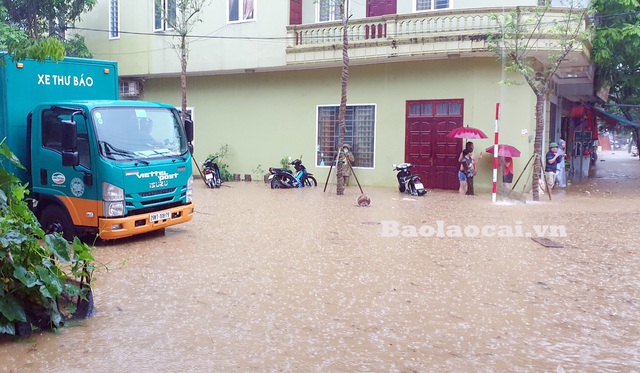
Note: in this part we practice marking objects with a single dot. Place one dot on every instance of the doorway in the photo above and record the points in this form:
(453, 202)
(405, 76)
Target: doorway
(427, 146)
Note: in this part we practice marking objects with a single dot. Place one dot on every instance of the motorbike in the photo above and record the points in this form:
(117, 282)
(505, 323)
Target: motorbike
(284, 178)
(211, 173)
(407, 182)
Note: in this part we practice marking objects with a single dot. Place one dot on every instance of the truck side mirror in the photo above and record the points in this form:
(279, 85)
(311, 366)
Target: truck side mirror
(70, 156)
(188, 128)
(69, 135)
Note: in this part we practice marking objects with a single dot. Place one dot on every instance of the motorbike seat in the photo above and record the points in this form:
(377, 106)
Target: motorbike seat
(281, 170)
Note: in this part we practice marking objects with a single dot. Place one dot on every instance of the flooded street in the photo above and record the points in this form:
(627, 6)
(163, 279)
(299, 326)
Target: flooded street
(301, 280)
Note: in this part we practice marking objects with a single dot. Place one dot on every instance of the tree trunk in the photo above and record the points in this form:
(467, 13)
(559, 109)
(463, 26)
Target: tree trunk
(342, 115)
(537, 146)
(183, 76)
(635, 130)
(636, 133)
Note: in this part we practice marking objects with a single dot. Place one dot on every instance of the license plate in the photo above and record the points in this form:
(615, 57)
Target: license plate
(208, 176)
(159, 216)
(418, 186)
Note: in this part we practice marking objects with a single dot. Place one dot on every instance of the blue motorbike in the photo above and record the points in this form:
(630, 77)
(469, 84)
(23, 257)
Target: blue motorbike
(284, 178)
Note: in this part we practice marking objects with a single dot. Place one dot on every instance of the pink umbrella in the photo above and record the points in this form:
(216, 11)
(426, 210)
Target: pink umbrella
(505, 150)
(466, 133)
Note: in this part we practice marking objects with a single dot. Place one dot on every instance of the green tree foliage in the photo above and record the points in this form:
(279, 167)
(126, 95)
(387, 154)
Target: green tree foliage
(38, 50)
(535, 42)
(45, 17)
(37, 28)
(17, 43)
(616, 53)
(40, 274)
(8, 33)
(76, 47)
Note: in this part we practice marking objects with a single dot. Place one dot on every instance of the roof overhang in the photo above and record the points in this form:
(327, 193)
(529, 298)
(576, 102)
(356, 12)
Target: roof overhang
(613, 120)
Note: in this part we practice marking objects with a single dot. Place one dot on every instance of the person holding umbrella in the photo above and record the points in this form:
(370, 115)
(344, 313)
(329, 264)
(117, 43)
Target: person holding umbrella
(467, 133)
(506, 154)
(466, 172)
(507, 172)
(471, 166)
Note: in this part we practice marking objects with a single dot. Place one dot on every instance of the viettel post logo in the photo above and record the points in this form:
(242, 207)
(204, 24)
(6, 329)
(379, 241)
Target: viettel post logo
(58, 178)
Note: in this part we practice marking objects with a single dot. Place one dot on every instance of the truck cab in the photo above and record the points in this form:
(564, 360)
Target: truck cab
(127, 172)
(94, 164)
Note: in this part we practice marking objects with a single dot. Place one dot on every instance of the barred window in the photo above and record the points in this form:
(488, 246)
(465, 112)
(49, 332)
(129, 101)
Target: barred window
(360, 134)
(114, 19)
(442, 4)
(431, 4)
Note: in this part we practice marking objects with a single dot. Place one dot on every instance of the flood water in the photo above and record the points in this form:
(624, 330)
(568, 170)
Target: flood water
(304, 281)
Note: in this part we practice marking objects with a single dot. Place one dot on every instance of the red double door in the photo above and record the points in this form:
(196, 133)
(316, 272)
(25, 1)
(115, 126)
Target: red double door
(381, 7)
(427, 146)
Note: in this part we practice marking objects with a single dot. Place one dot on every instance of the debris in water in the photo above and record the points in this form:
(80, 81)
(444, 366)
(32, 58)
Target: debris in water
(547, 242)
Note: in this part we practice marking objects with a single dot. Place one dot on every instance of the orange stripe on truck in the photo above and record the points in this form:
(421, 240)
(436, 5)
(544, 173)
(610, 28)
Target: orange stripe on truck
(114, 228)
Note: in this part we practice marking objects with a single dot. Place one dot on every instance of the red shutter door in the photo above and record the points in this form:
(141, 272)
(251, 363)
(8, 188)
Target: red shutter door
(295, 12)
(434, 155)
(381, 7)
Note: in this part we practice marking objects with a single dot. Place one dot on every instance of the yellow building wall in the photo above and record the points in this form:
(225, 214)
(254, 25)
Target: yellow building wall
(264, 117)
(215, 45)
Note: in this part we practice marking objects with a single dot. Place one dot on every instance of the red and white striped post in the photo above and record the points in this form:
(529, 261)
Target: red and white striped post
(494, 196)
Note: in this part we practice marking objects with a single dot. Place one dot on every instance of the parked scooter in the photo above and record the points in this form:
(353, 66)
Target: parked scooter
(284, 178)
(212, 173)
(407, 182)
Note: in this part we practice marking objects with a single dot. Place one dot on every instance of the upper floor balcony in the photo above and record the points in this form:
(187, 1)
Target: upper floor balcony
(453, 33)
(435, 34)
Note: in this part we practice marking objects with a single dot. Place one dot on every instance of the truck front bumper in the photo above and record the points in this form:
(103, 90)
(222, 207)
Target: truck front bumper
(114, 228)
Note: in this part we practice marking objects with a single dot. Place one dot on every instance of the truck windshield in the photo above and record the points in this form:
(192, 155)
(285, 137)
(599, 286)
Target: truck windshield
(138, 132)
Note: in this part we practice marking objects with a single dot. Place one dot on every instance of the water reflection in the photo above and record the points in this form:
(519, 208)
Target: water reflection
(300, 280)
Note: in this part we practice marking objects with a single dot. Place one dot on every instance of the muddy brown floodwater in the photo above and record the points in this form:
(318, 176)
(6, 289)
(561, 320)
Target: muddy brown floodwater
(301, 281)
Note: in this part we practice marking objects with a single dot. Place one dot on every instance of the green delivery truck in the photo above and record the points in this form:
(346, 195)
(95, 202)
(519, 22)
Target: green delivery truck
(94, 164)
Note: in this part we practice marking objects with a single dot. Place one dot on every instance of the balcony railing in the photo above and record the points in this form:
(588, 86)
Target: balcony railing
(438, 34)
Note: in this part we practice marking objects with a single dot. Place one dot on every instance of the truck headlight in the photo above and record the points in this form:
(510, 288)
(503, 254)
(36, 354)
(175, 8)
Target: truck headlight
(112, 200)
(112, 209)
(190, 189)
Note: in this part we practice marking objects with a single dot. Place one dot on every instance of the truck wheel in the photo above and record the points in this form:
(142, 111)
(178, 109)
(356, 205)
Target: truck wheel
(55, 219)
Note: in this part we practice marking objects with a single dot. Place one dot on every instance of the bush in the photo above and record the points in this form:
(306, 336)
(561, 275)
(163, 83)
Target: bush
(42, 279)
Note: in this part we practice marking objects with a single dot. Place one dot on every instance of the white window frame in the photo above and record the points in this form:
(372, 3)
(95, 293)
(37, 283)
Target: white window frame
(333, 13)
(113, 3)
(433, 4)
(240, 14)
(163, 14)
(320, 155)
